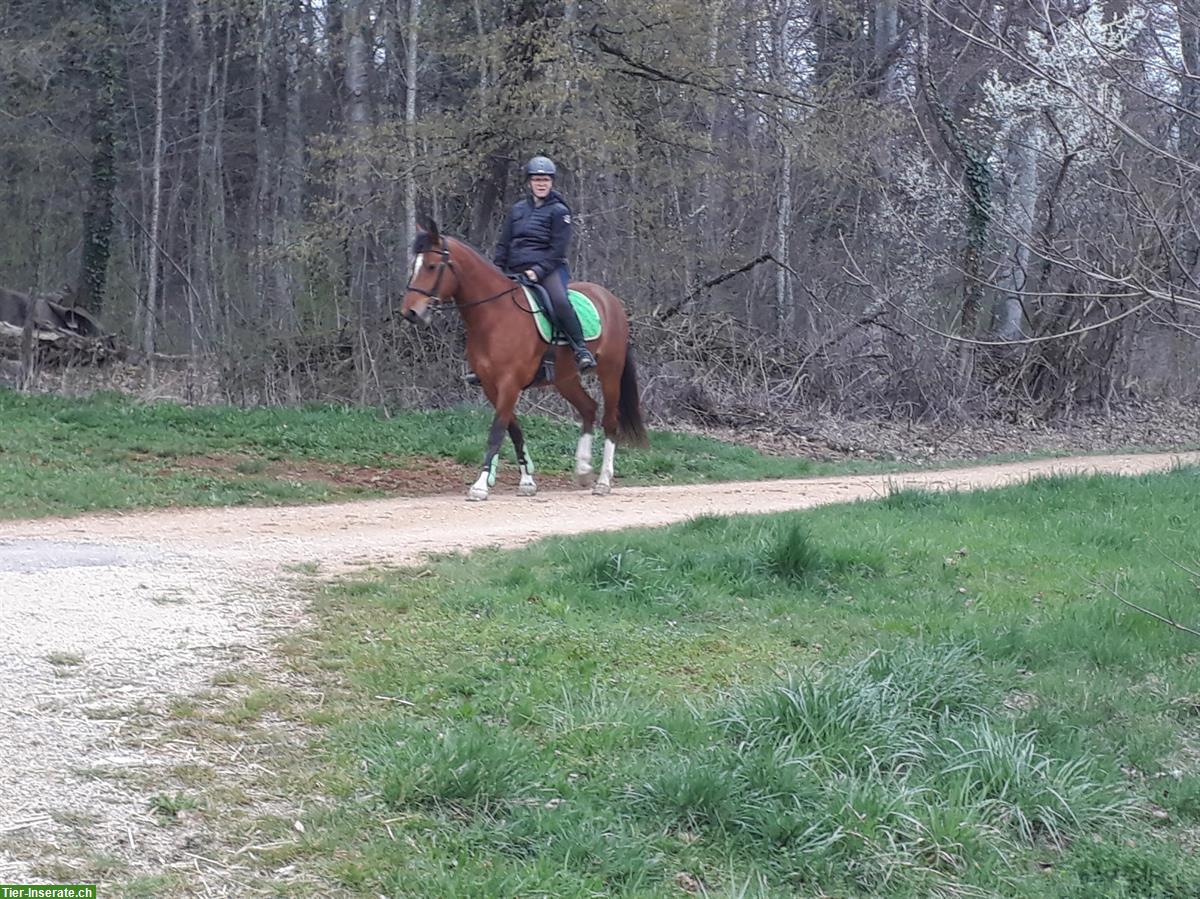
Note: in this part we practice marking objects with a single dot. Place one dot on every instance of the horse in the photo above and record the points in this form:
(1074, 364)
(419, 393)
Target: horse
(505, 351)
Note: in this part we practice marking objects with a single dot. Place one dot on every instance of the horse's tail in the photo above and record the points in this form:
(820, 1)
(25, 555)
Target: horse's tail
(630, 427)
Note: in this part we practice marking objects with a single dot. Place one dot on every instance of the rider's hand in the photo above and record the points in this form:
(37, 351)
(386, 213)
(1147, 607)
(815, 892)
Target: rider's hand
(531, 274)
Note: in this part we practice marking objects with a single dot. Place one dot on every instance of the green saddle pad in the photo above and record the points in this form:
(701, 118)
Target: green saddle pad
(589, 317)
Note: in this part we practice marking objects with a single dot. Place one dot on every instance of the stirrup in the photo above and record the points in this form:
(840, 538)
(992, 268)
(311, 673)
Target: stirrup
(471, 378)
(544, 376)
(584, 359)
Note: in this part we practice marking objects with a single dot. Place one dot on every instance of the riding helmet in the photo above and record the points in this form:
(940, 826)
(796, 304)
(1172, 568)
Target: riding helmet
(540, 165)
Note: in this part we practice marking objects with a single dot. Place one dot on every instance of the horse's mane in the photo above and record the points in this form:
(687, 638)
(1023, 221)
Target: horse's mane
(430, 240)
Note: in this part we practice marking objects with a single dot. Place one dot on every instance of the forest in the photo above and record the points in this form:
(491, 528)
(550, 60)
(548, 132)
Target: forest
(902, 207)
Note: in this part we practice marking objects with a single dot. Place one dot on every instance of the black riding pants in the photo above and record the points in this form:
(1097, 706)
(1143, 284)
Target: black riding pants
(556, 286)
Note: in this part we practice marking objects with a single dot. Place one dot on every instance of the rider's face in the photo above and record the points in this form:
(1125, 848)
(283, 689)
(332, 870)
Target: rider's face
(540, 185)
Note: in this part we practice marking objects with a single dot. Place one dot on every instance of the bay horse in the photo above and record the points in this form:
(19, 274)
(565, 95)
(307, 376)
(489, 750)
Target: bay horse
(505, 351)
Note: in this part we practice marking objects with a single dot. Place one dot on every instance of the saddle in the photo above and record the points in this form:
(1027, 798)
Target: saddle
(542, 297)
(537, 302)
(545, 372)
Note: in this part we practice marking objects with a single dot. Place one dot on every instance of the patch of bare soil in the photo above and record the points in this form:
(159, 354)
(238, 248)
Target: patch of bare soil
(410, 476)
(426, 477)
(113, 621)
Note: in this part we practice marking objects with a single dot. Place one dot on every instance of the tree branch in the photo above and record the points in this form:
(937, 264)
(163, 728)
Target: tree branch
(664, 314)
(1163, 618)
(641, 69)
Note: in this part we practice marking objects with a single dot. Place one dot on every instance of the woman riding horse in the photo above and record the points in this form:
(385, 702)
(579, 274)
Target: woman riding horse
(534, 242)
(506, 348)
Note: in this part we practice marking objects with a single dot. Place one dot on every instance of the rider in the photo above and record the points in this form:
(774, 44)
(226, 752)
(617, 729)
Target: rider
(534, 243)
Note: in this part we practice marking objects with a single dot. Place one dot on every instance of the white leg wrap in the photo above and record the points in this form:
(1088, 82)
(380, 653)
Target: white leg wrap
(479, 490)
(604, 484)
(527, 487)
(583, 455)
(583, 461)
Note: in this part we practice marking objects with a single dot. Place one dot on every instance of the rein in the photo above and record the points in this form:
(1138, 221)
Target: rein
(441, 304)
(514, 286)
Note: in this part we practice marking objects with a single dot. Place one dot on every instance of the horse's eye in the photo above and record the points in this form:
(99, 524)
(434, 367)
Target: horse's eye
(429, 267)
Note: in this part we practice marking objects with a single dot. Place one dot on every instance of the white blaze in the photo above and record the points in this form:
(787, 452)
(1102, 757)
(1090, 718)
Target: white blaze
(417, 263)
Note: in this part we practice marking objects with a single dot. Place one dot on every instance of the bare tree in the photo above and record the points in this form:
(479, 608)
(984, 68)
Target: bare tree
(156, 171)
(410, 120)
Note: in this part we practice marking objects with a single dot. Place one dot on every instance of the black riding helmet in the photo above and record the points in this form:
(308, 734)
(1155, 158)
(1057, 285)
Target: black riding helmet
(540, 165)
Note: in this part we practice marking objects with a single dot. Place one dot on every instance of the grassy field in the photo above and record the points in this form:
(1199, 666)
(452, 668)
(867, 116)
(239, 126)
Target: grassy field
(925, 695)
(61, 455)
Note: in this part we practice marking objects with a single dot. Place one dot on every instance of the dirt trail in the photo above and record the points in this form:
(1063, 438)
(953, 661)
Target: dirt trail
(399, 530)
(107, 618)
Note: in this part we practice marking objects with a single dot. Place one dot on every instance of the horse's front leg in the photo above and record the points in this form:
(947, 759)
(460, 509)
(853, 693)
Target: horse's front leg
(584, 474)
(504, 400)
(573, 392)
(527, 487)
(603, 485)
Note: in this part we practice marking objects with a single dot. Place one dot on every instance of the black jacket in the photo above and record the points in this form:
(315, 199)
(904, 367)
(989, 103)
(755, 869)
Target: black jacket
(535, 237)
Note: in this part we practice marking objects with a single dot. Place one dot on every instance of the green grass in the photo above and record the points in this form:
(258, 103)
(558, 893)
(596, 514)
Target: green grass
(62, 455)
(169, 807)
(926, 695)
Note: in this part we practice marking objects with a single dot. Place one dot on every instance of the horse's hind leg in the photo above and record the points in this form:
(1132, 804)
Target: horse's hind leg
(610, 386)
(527, 487)
(572, 390)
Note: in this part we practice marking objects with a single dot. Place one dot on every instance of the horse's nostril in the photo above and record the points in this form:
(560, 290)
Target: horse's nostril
(410, 315)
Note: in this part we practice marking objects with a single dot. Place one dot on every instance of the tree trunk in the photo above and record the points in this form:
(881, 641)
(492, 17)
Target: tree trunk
(785, 301)
(98, 216)
(719, 117)
(480, 33)
(149, 334)
(785, 313)
(291, 180)
(218, 305)
(410, 123)
(1189, 135)
(199, 244)
(1023, 152)
(264, 165)
(358, 109)
(886, 32)
(977, 190)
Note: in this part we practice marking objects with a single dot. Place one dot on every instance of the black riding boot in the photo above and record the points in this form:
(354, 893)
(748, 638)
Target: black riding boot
(569, 322)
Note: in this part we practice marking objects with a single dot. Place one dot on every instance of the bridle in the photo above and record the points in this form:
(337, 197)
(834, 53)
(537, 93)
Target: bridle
(446, 263)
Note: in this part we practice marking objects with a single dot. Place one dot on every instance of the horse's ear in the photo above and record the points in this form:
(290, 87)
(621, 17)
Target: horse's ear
(432, 228)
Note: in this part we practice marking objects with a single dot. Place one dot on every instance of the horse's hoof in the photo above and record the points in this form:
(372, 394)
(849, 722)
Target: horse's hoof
(476, 496)
(585, 478)
(527, 490)
(601, 489)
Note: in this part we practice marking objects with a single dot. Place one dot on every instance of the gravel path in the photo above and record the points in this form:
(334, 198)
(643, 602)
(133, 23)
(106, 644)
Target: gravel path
(106, 618)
